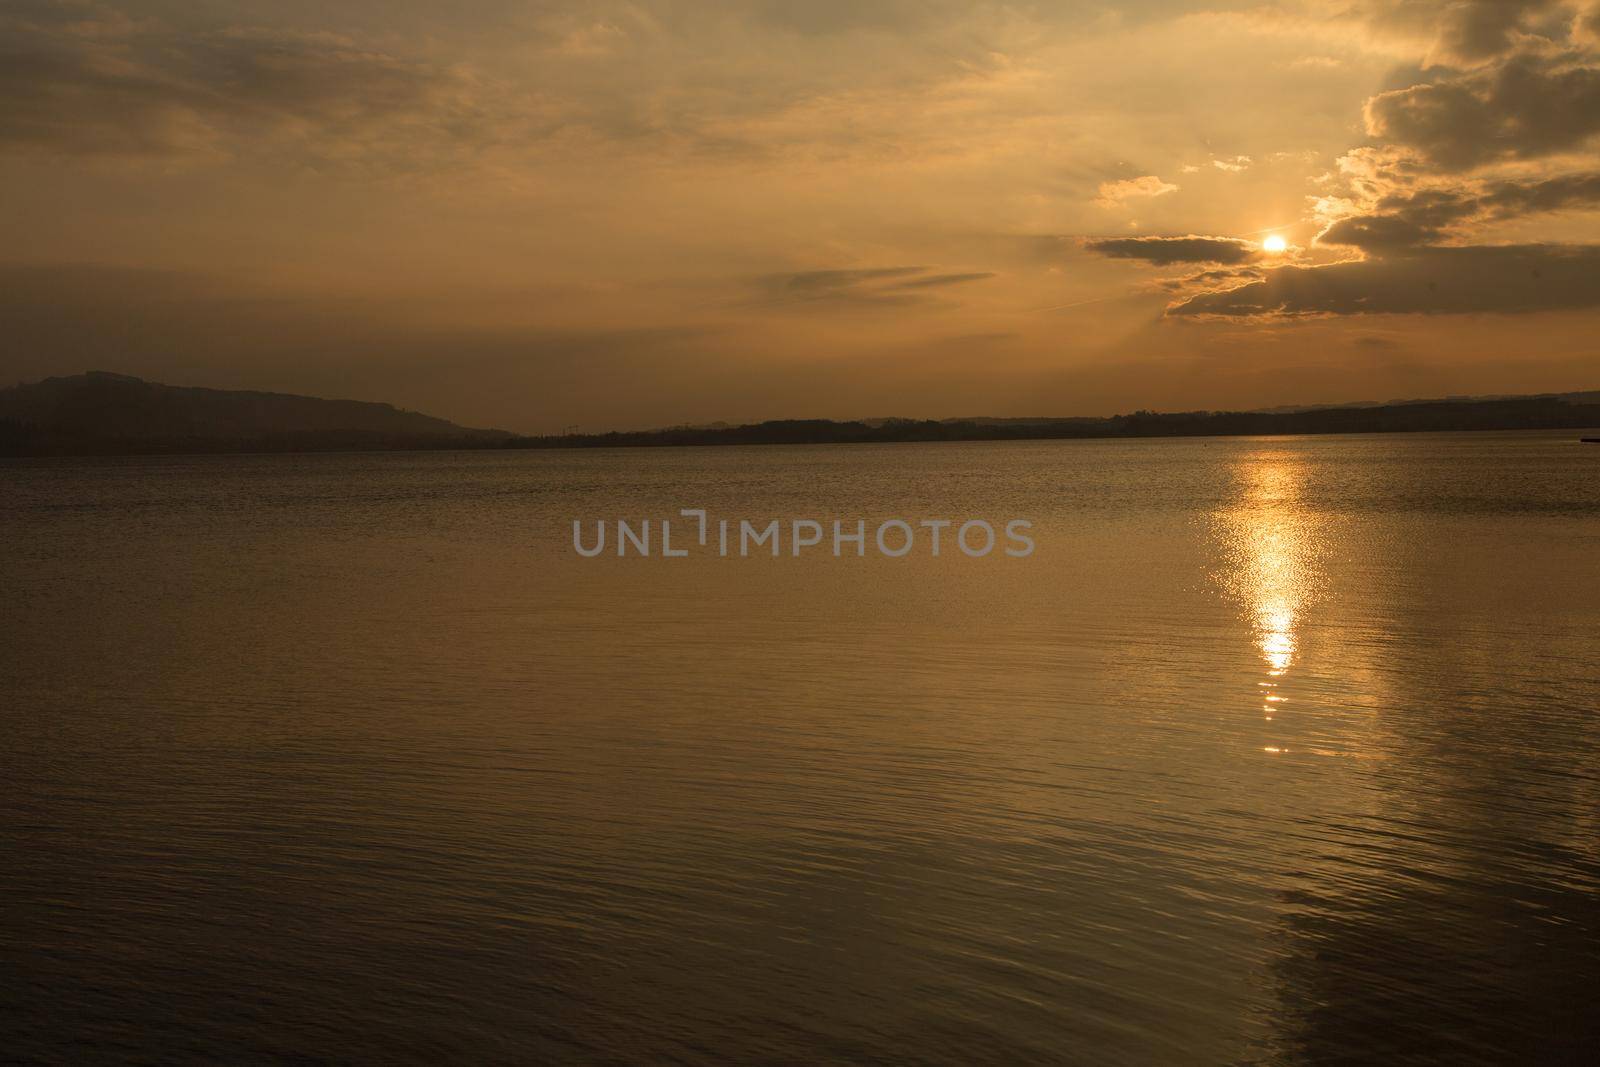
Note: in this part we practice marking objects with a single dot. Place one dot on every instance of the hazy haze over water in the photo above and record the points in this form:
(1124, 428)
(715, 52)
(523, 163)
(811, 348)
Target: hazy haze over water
(1275, 750)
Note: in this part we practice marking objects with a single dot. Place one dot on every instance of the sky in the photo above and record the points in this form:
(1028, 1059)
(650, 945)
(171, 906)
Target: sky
(532, 215)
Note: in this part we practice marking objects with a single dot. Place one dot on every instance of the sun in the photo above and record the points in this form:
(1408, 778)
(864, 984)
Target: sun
(1275, 244)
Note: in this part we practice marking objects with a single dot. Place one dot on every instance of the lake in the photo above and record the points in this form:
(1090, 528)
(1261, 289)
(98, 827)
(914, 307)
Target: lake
(1277, 750)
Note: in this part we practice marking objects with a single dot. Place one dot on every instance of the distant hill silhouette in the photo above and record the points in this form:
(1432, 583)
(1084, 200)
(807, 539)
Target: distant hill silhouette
(1556, 411)
(109, 414)
(102, 413)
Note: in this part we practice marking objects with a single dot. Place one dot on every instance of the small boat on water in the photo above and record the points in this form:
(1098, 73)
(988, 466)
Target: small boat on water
(1590, 440)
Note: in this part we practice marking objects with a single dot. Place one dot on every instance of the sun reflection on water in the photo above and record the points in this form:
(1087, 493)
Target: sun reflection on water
(1272, 548)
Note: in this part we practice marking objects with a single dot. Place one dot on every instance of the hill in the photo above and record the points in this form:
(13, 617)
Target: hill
(102, 413)
(111, 414)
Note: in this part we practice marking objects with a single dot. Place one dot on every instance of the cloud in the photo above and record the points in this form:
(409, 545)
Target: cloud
(934, 281)
(1403, 220)
(1509, 198)
(1586, 27)
(1164, 251)
(1232, 166)
(825, 280)
(1114, 194)
(1528, 107)
(1212, 278)
(1482, 29)
(875, 286)
(1465, 32)
(1457, 147)
(86, 81)
(1435, 281)
(1377, 232)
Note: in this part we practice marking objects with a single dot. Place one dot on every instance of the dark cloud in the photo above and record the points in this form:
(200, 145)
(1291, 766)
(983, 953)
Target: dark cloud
(1482, 29)
(1522, 88)
(856, 288)
(837, 287)
(827, 281)
(1212, 278)
(1467, 31)
(1165, 251)
(1434, 208)
(86, 81)
(1405, 220)
(934, 281)
(1508, 199)
(1377, 232)
(1529, 106)
(1496, 278)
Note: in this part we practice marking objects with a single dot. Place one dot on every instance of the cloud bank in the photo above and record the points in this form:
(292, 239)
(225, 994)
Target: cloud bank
(1431, 281)
(1496, 125)
(1165, 251)
(93, 82)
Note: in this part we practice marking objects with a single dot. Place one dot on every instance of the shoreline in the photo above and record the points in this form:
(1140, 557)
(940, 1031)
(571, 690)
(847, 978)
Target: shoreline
(597, 443)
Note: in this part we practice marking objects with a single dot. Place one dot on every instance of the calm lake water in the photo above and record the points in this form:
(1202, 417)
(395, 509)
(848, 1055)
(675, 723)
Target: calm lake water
(1275, 750)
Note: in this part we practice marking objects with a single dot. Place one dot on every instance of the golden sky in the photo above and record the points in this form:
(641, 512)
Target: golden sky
(626, 214)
